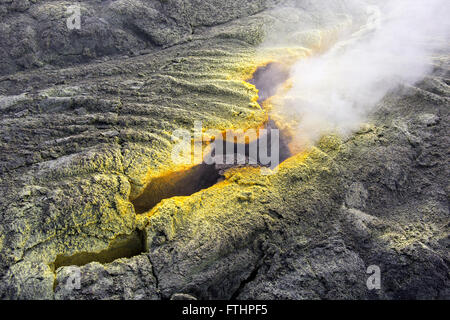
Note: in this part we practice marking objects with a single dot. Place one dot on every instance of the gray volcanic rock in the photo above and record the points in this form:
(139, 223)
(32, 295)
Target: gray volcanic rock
(84, 139)
(130, 279)
(34, 33)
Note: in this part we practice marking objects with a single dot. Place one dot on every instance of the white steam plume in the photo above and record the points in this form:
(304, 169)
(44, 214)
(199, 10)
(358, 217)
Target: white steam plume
(335, 92)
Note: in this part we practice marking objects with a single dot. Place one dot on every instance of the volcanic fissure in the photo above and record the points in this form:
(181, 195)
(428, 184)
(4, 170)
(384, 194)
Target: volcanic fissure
(267, 79)
(124, 246)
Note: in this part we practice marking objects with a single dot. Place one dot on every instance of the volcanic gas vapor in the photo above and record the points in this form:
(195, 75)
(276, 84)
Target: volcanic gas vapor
(336, 91)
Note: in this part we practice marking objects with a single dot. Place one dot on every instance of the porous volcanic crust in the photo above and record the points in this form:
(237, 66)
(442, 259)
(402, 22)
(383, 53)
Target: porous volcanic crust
(87, 117)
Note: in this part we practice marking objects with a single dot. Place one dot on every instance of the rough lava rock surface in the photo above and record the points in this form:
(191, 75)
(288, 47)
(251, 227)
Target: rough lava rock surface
(87, 117)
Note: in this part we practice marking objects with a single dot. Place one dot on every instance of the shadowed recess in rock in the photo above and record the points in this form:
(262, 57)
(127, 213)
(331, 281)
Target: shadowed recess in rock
(124, 246)
(268, 79)
(178, 183)
(202, 176)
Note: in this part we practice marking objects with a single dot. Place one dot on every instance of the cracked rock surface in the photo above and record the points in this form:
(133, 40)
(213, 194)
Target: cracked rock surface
(87, 117)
